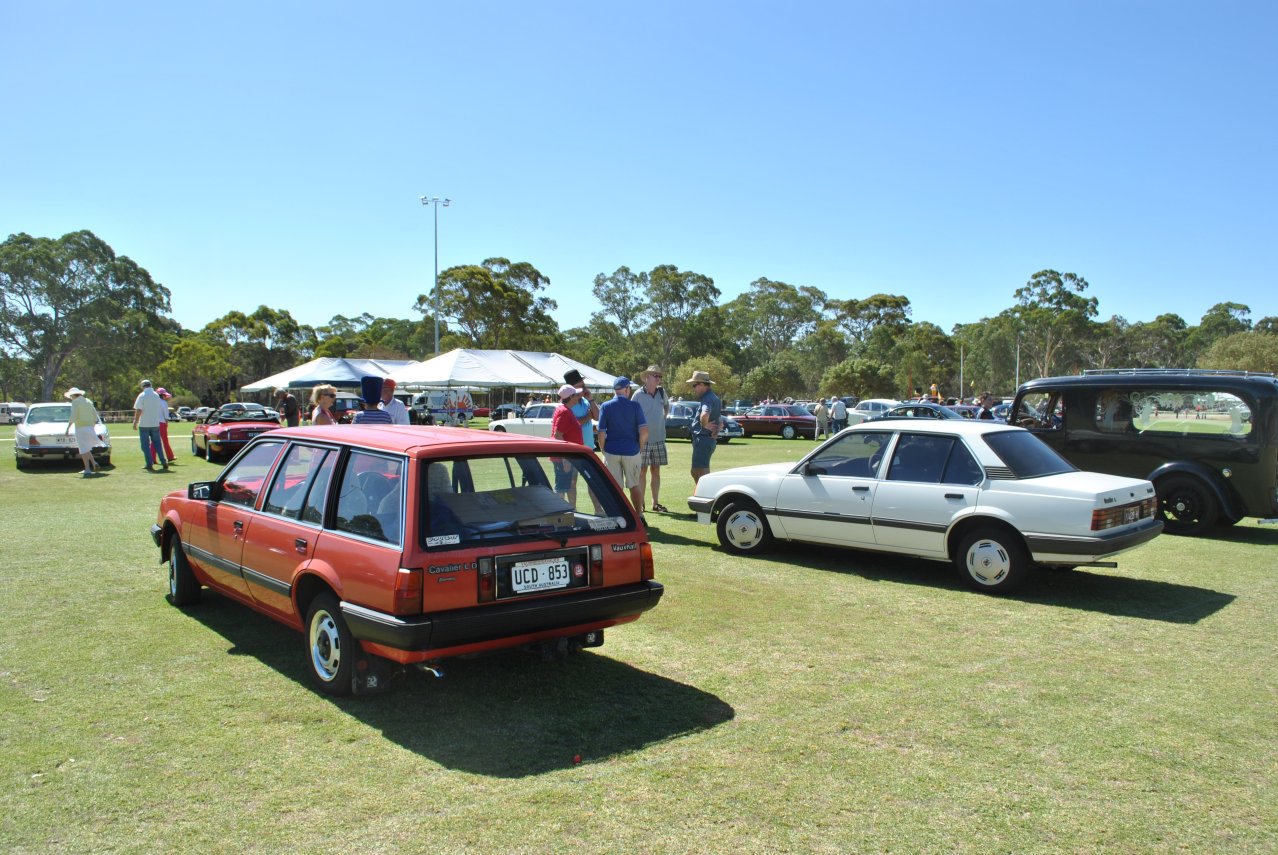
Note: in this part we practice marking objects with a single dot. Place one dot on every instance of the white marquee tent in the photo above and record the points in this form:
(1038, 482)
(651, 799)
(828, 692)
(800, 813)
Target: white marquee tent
(489, 369)
(339, 372)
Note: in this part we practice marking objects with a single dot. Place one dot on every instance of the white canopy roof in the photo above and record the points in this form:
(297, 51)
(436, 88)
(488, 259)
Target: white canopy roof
(487, 369)
(328, 369)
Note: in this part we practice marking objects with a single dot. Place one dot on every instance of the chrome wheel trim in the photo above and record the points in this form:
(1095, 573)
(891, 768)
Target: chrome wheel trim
(326, 646)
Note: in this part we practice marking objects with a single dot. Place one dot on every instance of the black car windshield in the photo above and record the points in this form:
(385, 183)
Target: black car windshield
(1026, 455)
(796, 410)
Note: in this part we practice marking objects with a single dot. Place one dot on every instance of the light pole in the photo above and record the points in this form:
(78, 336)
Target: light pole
(435, 201)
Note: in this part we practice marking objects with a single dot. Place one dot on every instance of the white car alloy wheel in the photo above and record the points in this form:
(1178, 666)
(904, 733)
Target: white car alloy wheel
(743, 529)
(992, 560)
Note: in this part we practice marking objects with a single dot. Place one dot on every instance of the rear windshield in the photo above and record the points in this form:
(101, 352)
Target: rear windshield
(1026, 455)
(477, 500)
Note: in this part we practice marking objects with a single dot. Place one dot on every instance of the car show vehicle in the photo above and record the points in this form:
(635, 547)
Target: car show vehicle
(504, 411)
(1207, 439)
(679, 423)
(186, 414)
(785, 420)
(533, 421)
(987, 497)
(871, 407)
(12, 412)
(228, 429)
(42, 435)
(388, 546)
(919, 410)
(442, 407)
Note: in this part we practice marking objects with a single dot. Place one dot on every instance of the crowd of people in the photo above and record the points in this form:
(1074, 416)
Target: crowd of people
(631, 435)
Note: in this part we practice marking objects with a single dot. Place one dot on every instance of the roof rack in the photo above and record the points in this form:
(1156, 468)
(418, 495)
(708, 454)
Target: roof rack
(1201, 372)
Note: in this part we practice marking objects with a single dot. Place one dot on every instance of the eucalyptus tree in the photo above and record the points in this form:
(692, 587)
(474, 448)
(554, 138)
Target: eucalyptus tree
(1055, 319)
(675, 299)
(1221, 320)
(1243, 351)
(769, 317)
(861, 318)
(262, 343)
(1160, 343)
(495, 305)
(72, 296)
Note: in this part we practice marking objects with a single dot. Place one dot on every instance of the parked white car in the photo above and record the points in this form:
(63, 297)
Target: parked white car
(871, 407)
(989, 497)
(42, 435)
(535, 421)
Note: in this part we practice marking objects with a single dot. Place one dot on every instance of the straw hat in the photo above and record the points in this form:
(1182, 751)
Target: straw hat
(72, 392)
(700, 377)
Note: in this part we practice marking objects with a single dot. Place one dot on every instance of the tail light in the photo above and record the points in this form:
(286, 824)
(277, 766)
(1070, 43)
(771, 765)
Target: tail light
(408, 591)
(647, 569)
(33, 441)
(1107, 518)
(487, 581)
(596, 565)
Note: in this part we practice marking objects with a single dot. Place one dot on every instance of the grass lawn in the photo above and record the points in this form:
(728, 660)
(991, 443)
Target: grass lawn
(812, 701)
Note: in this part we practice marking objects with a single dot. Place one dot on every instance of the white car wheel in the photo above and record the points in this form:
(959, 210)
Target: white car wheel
(743, 530)
(992, 560)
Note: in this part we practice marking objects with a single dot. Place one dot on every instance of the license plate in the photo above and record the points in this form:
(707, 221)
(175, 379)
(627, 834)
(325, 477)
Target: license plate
(1132, 514)
(528, 577)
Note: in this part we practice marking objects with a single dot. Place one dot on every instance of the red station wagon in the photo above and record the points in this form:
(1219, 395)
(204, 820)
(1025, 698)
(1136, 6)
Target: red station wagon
(389, 546)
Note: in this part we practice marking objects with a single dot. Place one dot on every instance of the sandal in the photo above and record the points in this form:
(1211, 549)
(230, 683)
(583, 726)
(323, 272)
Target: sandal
(659, 508)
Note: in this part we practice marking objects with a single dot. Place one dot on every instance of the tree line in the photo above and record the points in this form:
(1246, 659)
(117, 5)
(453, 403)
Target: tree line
(74, 312)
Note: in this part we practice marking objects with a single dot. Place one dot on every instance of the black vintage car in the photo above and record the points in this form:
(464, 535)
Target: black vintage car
(1207, 439)
(679, 423)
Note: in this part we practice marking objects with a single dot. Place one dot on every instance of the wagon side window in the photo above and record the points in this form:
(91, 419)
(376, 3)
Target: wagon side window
(1198, 412)
(368, 498)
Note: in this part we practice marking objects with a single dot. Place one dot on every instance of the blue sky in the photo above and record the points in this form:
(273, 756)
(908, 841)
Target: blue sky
(274, 153)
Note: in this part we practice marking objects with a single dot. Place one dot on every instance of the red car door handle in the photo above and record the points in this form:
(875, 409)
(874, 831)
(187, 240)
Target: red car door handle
(300, 545)
(238, 525)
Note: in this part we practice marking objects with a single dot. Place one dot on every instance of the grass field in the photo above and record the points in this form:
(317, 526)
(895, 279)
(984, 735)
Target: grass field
(813, 701)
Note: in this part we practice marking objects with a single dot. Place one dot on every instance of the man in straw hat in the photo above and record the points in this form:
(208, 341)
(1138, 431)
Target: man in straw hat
(84, 418)
(656, 406)
(705, 427)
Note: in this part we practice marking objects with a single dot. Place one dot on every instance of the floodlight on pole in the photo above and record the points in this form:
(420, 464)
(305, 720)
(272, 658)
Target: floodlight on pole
(435, 201)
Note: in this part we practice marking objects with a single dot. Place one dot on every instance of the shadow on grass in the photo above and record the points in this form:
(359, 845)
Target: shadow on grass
(507, 715)
(1082, 588)
(1247, 534)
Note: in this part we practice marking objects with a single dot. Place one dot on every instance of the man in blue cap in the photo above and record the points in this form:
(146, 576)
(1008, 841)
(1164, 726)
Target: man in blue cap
(622, 433)
(370, 390)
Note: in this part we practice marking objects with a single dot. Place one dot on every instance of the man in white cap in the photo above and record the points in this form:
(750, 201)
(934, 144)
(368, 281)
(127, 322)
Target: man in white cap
(84, 418)
(622, 432)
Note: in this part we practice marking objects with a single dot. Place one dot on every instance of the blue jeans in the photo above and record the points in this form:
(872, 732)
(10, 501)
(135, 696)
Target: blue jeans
(151, 447)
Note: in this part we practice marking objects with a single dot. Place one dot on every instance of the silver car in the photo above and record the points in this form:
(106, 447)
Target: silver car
(42, 435)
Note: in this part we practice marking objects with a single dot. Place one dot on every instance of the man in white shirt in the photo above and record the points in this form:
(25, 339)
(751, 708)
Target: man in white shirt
(391, 404)
(838, 415)
(149, 410)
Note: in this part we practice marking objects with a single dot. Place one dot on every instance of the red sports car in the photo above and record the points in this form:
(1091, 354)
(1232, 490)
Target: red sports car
(228, 429)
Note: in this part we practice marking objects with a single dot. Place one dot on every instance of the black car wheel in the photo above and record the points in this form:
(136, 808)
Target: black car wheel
(1186, 505)
(184, 588)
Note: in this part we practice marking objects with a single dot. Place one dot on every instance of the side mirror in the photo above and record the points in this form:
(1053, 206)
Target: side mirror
(206, 491)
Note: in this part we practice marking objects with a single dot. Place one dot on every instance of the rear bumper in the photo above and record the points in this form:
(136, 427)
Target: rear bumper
(1055, 549)
(501, 620)
(58, 452)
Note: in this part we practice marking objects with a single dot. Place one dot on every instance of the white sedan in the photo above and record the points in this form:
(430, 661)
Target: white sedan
(990, 498)
(535, 421)
(42, 435)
